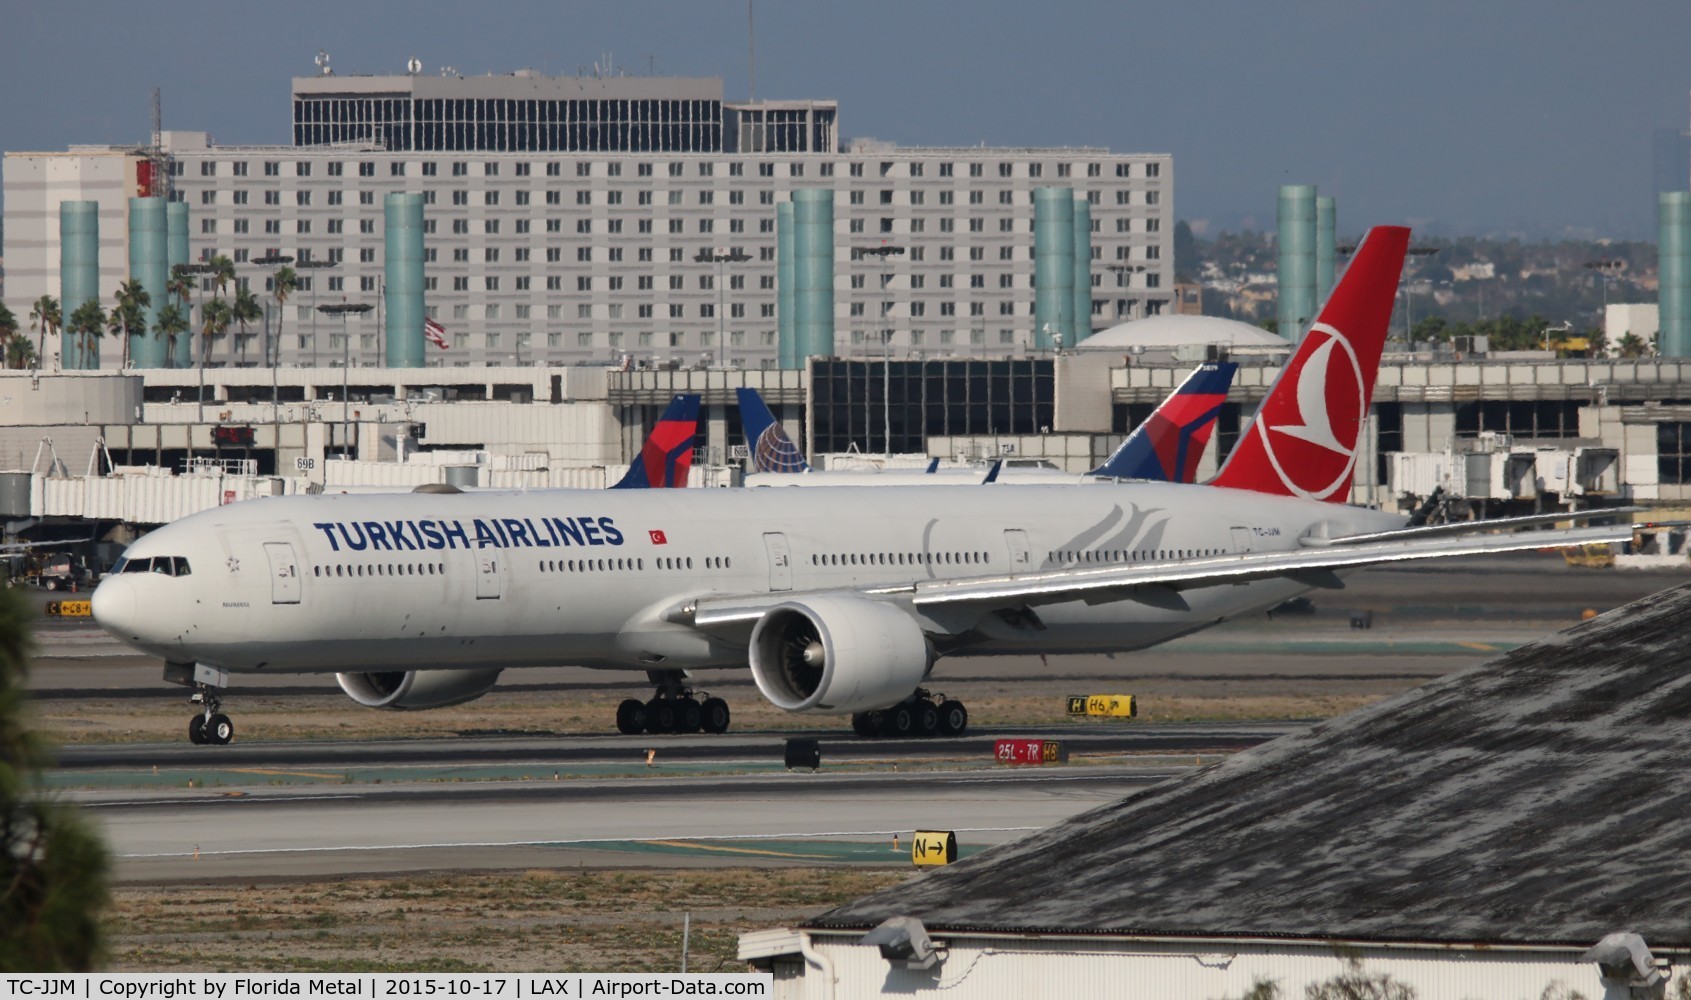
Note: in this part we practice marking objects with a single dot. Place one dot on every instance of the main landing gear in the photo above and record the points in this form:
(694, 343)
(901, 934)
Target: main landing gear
(211, 725)
(674, 709)
(921, 714)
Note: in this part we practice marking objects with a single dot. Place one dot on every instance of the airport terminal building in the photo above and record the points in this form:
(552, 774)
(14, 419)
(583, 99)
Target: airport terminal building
(564, 219)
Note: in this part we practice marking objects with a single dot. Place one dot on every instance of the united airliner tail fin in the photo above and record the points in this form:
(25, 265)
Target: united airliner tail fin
(1168, 445)
(771, 449)
(992, 474)
(1304, 438)
(668, 451)
(933, 465)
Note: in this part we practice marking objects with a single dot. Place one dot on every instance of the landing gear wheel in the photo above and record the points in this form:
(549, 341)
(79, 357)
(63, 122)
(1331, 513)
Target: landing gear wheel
(52, 585)
(660, 716)
(927, 718)
(714, 715)
(688, 717)
(953, 718)
(631, 717)
(197, 730)
(219, 730)
(862, 724)
(901, 719)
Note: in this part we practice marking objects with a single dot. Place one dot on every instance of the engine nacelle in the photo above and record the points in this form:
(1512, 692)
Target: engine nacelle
(408, 690)
(838, 654)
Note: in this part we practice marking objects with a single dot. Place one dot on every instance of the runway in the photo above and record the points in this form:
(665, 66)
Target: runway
(245, 812)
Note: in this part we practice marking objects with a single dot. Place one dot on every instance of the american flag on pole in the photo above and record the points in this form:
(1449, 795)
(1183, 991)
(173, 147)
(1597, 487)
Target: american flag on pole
(434, 333)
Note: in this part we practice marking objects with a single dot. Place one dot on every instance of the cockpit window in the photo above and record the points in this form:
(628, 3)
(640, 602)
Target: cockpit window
(162, 565)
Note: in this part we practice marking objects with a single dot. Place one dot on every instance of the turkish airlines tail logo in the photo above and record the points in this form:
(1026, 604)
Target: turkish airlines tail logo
(1303, 440)
(668, 452)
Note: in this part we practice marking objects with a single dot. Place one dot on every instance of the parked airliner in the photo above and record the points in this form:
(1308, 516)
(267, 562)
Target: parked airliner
(841, 600)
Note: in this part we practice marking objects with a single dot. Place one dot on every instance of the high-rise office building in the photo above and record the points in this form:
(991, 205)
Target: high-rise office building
(581, 220)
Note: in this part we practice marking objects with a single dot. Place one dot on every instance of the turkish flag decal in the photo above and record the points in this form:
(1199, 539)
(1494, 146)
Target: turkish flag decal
(658, 538)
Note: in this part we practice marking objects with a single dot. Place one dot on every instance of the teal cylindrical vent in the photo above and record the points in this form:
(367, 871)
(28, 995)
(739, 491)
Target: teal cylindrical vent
(403, 212)
(1326, 229)
(1082, 270)
(176, 240)
(1674, 271)
(813, 249)
(149, 264)
(1053, 266)
(79, 275)
(1296, 271)
(786, 275)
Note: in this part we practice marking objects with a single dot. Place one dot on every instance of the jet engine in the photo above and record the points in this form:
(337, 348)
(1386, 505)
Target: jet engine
(407, 690)
(838, 654)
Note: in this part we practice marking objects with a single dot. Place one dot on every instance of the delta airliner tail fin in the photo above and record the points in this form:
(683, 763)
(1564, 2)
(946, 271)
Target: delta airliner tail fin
(771, 449)
(668, 451)
(1303, 440)
(1168, 445)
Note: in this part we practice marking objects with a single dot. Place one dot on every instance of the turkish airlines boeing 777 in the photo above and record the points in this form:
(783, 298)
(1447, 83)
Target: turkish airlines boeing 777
(841, 600)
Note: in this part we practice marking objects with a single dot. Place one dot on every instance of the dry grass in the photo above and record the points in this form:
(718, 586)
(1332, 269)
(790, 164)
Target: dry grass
(623, 920)
(268, 718)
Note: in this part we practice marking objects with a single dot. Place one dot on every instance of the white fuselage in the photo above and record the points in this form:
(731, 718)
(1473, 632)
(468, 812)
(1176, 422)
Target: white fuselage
(483, 580)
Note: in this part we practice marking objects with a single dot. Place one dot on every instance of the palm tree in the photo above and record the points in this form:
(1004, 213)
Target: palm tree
(1633, 346)
(180, 288)
(245, 309)
(127, 317)
(88, 323)
(44, 317)
(223, 272)
(170, 323)
(283, 285)
(215, 317)
(20, 353)
(8, 326)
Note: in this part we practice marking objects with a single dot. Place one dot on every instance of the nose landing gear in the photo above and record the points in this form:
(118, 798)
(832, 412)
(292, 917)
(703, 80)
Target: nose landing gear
(210, 726)
(675, 708)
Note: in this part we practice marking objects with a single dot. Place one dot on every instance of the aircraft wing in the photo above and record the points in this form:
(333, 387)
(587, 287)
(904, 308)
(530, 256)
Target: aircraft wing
(1160, 582)
(1471, 527)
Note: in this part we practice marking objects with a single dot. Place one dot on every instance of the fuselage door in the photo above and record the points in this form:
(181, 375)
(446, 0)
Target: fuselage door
(284, 573)
(487, 573)
(1016, 540)
(780, 561)
(1242, 540)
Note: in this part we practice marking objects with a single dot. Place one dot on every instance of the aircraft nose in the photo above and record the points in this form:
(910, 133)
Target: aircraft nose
(115, 607)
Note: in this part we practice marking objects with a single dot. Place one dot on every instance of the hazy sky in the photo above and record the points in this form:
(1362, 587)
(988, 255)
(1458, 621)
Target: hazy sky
(1469, 116)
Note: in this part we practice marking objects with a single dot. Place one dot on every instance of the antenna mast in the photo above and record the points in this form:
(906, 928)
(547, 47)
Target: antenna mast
(751, 53)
